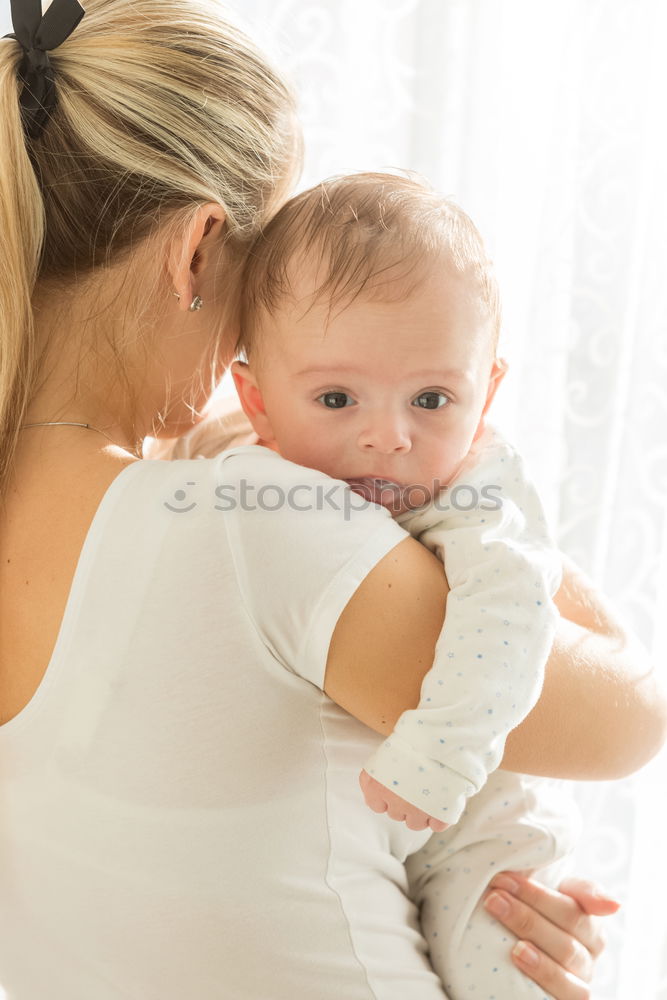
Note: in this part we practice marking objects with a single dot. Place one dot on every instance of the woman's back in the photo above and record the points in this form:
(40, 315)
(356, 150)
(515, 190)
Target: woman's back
(51, 500)
(178, 802)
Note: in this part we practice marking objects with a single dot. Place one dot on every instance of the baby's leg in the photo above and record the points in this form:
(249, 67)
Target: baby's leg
(518, 823)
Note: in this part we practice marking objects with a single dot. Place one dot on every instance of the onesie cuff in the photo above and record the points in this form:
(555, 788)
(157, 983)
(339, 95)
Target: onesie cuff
(423, 782)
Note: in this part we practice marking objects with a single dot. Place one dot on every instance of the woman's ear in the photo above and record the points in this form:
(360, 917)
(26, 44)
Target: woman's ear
(251, 400)
(498, 372)
(191, 251)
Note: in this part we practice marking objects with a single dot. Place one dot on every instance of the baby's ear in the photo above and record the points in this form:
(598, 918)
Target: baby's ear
(497, 374)
(251, 399)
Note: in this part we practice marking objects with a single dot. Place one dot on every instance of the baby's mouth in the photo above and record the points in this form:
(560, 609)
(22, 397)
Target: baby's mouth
(381, 491)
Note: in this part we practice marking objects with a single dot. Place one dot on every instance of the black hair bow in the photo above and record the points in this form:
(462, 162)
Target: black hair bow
(37, 35)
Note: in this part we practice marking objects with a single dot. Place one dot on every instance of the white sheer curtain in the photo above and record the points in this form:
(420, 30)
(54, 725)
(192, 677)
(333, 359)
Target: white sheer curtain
(548, 122)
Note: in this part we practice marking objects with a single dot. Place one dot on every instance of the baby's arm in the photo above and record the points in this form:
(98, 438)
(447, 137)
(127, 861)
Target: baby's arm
(598, 683)
(502, 570)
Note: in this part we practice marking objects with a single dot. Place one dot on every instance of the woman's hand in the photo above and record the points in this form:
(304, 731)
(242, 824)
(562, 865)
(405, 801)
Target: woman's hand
(559, 936)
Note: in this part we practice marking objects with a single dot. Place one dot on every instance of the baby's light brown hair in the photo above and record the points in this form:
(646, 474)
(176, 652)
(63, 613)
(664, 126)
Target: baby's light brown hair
(363, 233)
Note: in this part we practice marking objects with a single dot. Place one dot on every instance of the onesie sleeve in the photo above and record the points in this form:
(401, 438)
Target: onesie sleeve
(301, 544)
(489, 529)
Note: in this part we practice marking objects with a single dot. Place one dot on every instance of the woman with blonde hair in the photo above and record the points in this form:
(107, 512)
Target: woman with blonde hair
(166, 808)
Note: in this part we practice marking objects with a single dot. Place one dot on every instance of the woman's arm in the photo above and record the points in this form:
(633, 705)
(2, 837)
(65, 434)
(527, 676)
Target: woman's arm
(601, 714)
(598, 678)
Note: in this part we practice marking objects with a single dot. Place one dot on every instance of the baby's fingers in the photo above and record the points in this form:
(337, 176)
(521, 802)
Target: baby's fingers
(381, 799)
(374, 793)
(414, 818)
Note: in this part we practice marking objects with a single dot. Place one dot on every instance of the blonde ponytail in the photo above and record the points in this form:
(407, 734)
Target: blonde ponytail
(160, 107)
(21, 241)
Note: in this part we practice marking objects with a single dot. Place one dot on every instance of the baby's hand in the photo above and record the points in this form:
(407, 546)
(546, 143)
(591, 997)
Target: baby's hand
(381, 799)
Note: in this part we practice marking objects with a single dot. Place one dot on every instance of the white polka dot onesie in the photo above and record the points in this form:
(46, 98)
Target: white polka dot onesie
(489, 529)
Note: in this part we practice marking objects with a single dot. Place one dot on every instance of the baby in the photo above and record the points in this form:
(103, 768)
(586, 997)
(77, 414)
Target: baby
(370, 327)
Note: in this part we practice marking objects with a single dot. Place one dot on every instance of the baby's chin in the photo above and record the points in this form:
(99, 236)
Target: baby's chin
(394, 497)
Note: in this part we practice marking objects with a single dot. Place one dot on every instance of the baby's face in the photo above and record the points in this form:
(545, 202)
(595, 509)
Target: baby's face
(387, 395)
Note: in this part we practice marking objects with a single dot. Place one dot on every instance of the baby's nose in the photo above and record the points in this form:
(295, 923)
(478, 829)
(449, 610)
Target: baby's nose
(387, 436)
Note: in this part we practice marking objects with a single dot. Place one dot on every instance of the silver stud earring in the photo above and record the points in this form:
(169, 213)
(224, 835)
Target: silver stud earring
(196, 303)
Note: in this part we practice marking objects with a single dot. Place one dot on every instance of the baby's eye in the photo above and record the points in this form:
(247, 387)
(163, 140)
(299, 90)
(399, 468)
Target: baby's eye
(335, 400)
(430, 400)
